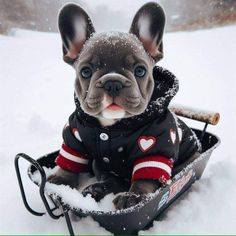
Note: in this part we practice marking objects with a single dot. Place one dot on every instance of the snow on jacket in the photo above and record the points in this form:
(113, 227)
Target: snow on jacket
(146, 146)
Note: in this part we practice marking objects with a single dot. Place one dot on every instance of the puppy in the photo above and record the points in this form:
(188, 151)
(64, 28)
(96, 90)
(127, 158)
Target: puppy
(121, 130)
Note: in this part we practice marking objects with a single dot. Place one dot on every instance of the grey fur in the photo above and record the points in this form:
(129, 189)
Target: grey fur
(116, 53)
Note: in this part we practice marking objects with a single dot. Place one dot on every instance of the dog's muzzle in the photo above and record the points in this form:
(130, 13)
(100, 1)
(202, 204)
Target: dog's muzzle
(113, 87)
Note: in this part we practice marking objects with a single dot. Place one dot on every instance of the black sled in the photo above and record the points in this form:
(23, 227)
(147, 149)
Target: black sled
(141, 216)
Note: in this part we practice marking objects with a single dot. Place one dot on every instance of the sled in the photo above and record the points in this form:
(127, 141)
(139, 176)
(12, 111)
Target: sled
(141, 216)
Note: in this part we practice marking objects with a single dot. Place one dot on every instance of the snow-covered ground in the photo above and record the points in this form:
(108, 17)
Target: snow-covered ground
(36, 98)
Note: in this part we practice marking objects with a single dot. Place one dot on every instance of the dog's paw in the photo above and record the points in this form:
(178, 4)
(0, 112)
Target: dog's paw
(127, 200)
(97, 191)
(65, 178)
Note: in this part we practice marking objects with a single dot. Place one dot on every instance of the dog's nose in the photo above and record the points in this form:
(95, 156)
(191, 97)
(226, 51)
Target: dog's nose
(113, 87)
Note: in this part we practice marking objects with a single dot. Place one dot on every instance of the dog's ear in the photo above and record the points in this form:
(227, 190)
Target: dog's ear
(148, 25)
(75, 28)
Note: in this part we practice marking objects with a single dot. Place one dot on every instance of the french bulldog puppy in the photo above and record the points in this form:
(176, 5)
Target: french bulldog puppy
(121, 130)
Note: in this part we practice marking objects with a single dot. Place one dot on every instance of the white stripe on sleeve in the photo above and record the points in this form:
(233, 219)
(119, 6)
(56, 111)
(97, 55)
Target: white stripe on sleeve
(73, 158)
(153, 164)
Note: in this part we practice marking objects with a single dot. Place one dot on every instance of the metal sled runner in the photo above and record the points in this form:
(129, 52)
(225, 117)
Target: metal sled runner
(141, 216)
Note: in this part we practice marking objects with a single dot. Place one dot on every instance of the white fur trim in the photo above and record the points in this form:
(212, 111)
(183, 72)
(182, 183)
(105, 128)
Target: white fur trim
(115, 114)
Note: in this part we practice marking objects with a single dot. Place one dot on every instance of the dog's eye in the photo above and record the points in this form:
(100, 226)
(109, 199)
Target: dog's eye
(86, 72)
(139, 71)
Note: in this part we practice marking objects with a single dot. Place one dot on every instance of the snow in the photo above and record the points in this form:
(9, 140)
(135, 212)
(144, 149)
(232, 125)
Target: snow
(112, 39)
(77, 200)
(36, 99)
(74, 197)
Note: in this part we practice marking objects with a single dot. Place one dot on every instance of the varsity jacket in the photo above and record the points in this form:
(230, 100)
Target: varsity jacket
(146, 146)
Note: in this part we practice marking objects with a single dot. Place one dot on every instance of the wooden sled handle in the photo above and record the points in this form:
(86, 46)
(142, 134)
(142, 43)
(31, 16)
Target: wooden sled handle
(209, 117)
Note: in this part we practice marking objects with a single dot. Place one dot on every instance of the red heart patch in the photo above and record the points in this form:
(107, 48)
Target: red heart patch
(173, 135)
(76, 134)
(145, 143)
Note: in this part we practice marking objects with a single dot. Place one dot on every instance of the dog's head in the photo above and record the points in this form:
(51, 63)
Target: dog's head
(113, 70)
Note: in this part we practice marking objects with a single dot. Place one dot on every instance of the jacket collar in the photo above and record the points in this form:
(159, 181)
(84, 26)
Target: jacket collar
(166, 86)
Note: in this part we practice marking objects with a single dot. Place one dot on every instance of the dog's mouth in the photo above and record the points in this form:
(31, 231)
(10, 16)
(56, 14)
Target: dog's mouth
(108, 107)
(113, 111)
(114, 107)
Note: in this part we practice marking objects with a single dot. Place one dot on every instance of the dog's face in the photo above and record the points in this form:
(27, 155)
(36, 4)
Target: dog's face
(114, 76)
(113, 70)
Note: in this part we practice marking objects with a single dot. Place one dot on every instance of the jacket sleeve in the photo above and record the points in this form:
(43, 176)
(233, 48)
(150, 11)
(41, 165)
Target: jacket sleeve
(155, 151)
(73, 155)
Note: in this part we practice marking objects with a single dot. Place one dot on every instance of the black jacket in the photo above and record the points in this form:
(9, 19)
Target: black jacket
(141, 147)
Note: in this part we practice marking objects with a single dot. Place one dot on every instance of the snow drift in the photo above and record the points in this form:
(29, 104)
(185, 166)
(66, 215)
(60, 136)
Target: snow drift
(36, 98)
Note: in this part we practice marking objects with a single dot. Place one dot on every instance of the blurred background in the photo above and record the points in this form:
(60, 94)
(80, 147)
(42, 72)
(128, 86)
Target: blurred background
(182, 15)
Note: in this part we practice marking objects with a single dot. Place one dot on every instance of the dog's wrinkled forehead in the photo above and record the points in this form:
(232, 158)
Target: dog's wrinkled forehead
(118, 46)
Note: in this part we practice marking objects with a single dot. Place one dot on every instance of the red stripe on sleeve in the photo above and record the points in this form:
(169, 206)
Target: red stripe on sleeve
(70, 165)
(71, 160)
(71, 151)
